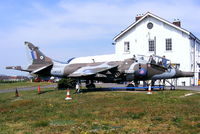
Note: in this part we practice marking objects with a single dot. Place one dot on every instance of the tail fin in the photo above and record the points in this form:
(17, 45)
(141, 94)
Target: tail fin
(37, 56)
(41, 64)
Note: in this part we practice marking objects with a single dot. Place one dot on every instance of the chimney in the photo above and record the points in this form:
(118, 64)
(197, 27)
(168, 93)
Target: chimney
(177, 22)
(138, 17)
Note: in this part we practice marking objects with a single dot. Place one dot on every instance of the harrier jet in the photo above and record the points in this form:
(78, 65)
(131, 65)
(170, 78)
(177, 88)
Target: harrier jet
(133, 70)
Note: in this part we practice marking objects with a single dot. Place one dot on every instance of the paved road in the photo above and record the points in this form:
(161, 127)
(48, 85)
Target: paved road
(195, 88)
(98, 85)
(116, 87)
(26, 88)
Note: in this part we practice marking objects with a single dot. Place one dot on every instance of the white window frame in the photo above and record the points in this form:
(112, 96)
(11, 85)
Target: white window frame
(151, 45)
(126, 46)
(168, 44)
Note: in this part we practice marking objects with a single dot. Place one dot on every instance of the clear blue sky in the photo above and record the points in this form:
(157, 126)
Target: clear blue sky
(73, 28)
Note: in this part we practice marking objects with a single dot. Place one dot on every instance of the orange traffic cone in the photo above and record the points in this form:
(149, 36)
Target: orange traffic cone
(68, 97)
(39, 89)
(16, 93)
(149, 90)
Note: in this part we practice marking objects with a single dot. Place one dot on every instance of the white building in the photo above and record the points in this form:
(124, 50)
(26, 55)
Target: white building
(150, 34)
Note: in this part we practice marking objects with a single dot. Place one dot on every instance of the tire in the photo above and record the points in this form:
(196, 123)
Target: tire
(90, 86)
(130, 85)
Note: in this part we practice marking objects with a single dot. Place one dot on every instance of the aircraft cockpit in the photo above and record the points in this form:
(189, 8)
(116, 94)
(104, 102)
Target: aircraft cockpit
(159, 61)
(69, 60)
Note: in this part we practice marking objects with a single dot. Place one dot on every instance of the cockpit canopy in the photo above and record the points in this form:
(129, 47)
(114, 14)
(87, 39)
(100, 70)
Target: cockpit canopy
(154, 59)
(160, 61)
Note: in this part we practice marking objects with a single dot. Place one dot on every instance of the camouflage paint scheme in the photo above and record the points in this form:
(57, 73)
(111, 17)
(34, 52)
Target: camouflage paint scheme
(114, 71)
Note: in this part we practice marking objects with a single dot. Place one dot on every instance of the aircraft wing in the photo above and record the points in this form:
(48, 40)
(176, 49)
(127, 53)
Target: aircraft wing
(91, 70)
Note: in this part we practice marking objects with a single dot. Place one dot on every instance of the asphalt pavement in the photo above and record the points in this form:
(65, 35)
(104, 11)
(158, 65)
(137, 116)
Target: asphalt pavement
(26, 88)
(99, 86)
(194, 88)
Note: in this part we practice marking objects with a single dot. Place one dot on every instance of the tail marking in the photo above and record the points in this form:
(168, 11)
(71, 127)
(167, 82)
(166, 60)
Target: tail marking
(34, 55)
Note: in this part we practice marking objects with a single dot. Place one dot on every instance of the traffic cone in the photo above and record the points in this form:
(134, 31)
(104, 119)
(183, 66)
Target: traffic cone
(16, 93)
(39, 89)
(68, 97)
(149, 90)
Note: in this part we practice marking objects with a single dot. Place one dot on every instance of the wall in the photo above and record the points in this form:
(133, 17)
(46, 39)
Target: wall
(139, 36)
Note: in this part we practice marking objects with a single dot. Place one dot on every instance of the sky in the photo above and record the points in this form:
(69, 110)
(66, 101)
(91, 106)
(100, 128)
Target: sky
(74, 28)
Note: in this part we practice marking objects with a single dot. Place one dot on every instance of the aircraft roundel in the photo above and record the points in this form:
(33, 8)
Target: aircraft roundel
(142, 71)
(41, 57)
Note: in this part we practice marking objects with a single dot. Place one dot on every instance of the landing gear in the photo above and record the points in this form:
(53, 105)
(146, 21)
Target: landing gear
(137, 83)
(133, 84)
(145, 84)
(162, 84)
(130, 85)
(152, 84)
(90, 84)
(172, 87)
(148, 83)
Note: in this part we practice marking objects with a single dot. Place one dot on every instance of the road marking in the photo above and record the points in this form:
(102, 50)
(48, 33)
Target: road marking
(189, 94)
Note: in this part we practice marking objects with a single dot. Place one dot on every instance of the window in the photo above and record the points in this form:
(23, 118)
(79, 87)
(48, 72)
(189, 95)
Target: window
(126, 47)
(151, 45)
(150, 25)
(168, 44)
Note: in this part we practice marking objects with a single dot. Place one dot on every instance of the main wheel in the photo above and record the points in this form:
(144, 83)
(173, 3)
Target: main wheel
(130, 89)
(90, 86)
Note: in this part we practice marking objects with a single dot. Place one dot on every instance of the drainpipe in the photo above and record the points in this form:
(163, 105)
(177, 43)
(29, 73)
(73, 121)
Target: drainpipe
(194, 39)
(194, 59)
(155, 45)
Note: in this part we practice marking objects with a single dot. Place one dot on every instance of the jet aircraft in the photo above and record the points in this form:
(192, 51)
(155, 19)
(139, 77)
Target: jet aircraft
(132, 70)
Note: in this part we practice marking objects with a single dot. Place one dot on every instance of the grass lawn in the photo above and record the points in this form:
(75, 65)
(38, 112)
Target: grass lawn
(163, 112)
(22, 84)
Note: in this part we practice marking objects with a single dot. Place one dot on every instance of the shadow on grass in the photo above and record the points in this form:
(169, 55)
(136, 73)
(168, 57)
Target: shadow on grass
(47, 91)
(114, 89)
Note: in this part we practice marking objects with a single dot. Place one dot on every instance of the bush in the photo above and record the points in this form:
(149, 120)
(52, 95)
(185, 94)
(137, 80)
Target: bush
(65, 83)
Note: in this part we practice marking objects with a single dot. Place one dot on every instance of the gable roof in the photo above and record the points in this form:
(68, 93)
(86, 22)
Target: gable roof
(153, 16)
